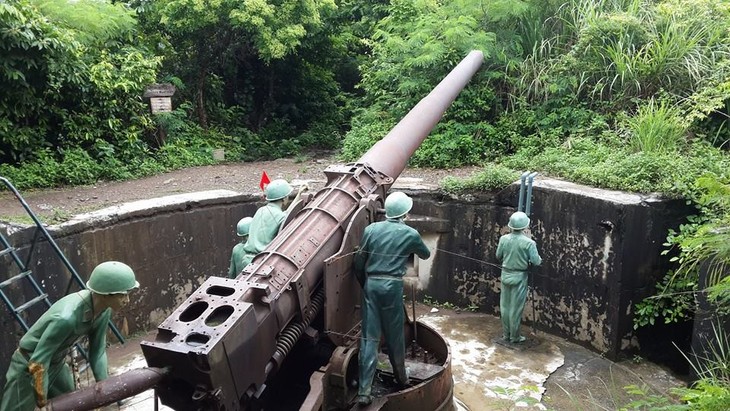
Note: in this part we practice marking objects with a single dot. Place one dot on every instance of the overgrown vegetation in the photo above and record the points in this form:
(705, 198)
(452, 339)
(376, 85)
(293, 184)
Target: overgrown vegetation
(493, 176)
(258, 80)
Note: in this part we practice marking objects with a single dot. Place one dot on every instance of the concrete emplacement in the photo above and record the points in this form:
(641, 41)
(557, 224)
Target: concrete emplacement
(601, 252)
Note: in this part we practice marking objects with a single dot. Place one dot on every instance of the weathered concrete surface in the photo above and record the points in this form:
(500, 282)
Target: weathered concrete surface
(600, 249)
(711, 328)
(555, 375)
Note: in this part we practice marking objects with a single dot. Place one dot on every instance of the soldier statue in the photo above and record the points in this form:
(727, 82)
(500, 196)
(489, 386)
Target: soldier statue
(237, 254)
(379, 265)
(268, 219)
(38, 369)
(516, 251)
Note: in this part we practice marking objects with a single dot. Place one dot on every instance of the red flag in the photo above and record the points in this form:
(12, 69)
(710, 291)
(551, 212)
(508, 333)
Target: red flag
(264, 181)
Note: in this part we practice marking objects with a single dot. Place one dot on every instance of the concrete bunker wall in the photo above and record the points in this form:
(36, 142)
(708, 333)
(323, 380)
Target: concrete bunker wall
(173, 244)
(600, 250)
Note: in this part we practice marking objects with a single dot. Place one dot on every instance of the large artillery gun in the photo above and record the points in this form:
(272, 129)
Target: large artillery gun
(222, 348)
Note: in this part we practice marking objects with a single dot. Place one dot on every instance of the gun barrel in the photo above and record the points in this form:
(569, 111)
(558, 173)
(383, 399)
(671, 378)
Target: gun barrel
(390, 155)
(109, 391)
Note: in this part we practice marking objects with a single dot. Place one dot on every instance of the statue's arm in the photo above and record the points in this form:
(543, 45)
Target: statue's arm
(535, 258)
(97, 347)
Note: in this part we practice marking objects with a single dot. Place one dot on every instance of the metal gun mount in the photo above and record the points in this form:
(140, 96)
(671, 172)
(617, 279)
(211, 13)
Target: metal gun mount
(227, 345)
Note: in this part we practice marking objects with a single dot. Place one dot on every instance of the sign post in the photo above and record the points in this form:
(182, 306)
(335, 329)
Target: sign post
(160, 100)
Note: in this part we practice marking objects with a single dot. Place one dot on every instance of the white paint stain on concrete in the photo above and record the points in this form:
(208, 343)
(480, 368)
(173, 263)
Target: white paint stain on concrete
(424, 266)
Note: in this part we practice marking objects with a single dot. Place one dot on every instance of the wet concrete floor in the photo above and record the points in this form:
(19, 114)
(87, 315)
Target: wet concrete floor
(547, 374)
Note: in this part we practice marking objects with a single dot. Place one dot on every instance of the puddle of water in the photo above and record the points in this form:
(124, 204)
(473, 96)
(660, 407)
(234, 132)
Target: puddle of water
(486, 373)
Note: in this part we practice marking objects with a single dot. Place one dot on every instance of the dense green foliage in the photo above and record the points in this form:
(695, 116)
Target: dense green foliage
(605, 92)
(415, 46)
(268, 78)
(615, 78)
(72, 86)
(260, 79)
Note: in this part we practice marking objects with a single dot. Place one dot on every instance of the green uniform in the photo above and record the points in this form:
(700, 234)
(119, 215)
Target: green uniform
(38, 370)
(380, 264)
(236, 260)
(516, 251)
(264, 227)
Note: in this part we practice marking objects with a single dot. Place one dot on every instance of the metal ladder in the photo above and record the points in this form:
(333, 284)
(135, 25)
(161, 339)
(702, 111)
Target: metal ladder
(25, 273)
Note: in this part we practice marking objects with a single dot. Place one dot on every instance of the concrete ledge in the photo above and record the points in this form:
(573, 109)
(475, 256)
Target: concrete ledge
(149, 208)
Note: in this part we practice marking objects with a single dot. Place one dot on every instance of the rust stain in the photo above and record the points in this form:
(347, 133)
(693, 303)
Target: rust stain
(37, 371)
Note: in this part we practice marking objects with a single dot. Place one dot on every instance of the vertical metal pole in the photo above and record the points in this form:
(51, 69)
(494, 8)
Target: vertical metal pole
(415, 327)
(521, 200)
(531, 273)
(528, 200)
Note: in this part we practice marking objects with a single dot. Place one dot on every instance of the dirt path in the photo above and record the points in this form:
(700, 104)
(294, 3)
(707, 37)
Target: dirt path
(60, 204)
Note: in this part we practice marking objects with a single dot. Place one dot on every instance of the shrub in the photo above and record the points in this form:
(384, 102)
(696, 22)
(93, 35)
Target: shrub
(368, 127)
(42, 172)
(78, 168)
(454, 144)
(493, 176)
(656, 127)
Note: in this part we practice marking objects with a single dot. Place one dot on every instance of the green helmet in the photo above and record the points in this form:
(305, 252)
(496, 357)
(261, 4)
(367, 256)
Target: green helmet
(278, 189)
(397, 205)
(518, 221)
(112, 277)
(243, 225)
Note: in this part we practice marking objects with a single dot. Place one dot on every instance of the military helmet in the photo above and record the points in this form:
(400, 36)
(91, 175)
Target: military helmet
(112, 277)
(518, 221)
(243, 225)
(397, 205)
(278, 189)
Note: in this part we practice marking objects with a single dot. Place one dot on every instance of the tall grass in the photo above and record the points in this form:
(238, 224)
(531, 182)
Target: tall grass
(656, 128)
(711, 392)
(619, 50)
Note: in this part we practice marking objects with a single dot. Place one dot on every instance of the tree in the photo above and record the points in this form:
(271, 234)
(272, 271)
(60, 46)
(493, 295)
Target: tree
(71, 77)
(413, 48)
(210, 40)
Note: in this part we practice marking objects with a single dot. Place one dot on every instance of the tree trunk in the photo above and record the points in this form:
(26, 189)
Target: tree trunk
(200, 98)
(268, 102)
